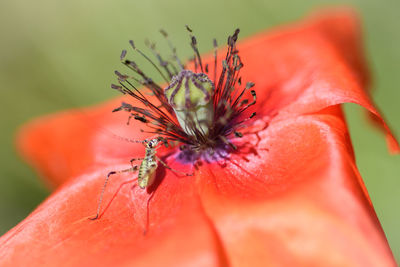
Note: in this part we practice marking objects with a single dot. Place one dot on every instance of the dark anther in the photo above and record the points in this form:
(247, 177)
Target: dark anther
(249, 85)
(187, 28)
(140, 118)
(132, 44)
(233, 146)
(235, 35)
(215, 42)
(123, 54)
(163, 32)
(117, 87)
(130, 63)
(229, 40)
(194, 41)
(238, 134)
(121, 76)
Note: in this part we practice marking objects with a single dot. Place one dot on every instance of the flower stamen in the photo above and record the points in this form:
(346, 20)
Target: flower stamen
(199, 113)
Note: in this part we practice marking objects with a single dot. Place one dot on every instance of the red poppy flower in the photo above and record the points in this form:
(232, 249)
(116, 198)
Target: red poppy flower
(290, 195)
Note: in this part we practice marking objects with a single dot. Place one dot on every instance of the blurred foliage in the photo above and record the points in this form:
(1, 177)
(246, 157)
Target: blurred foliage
(61, 54)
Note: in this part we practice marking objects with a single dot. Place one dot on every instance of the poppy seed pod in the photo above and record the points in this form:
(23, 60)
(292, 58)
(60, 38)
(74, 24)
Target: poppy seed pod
(190, 95)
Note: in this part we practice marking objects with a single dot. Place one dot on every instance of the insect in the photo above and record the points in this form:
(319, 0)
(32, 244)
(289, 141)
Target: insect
(146, 169)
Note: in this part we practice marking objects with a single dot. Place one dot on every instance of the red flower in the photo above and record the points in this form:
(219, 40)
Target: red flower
(291, 195)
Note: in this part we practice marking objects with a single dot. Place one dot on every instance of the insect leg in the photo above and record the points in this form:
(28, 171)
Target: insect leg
(104, 188)
(134, 159)
(169, 168)
(146, 229)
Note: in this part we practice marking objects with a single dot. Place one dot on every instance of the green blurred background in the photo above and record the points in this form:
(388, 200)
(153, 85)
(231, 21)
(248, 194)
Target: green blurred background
(61, 54)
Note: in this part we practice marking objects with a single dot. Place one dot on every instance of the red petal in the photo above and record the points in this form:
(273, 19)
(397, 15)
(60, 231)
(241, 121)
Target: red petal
(309, 67)
(298, 200)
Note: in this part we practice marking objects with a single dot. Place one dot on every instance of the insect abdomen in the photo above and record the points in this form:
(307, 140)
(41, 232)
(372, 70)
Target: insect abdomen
(147, 172)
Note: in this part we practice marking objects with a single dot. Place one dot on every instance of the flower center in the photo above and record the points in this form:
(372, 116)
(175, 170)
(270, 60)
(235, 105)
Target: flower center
(190, 95)
(200, 114)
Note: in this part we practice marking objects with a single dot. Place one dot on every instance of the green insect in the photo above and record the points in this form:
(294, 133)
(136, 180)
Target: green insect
(147, 168)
